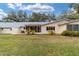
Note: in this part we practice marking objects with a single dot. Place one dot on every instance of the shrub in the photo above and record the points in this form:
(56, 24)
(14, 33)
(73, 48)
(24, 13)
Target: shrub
(32, 32)
(76, 33)
(22, 31)
(70, 33)
(51, 32)
(29, 31)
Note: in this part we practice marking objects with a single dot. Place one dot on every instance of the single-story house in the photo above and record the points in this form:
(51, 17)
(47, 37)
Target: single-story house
(57, 26)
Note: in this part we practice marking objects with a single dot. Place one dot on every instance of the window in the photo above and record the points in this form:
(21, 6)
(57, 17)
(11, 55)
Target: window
(1, 28)
(53, 28)
(22, 32)
(50, 28)
(38, 29)
(6, 28)
(11, 29)
(35, 28)
(69, 27)
(74, 27)
(24, 28)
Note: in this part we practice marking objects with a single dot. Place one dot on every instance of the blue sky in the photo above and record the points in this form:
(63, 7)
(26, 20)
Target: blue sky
(55, 8)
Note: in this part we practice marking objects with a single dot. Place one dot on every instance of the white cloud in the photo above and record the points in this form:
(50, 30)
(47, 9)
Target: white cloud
(23, 7)
(18, 4)
(14, 5)
(2, 14)
(40, 8)
(35, 8)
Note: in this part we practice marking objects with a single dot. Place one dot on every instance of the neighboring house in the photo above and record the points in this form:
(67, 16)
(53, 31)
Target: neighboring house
(57, 26)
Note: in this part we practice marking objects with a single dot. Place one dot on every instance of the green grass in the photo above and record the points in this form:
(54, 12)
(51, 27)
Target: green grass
(38, 45)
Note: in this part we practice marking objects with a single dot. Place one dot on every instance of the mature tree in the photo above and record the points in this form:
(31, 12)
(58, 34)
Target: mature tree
(22, 16)
(72, 13)
(38, 17)
(76, 7)
(19, 16)
(63, 14)
(51, 16)
(11, 16)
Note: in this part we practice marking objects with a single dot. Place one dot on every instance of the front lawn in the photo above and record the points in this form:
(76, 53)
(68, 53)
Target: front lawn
(38, 45)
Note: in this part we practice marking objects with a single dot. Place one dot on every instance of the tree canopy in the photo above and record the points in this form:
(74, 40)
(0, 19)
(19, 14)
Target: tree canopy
(42, 17)
(19, 16)
(22, 16)
(72, 14)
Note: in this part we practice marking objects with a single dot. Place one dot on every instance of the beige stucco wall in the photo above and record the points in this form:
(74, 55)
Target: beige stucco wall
(61, 29)
(9, 31)
(15, 31)
(58, 29)
(64, 26)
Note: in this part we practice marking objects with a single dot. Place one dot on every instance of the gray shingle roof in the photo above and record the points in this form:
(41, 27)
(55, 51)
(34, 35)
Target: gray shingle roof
(18, 24)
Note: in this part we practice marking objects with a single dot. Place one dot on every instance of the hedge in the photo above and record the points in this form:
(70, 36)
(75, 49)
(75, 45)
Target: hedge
(70, 33)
